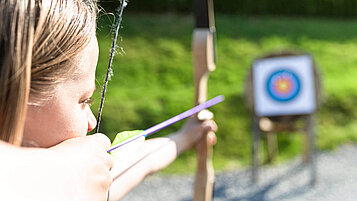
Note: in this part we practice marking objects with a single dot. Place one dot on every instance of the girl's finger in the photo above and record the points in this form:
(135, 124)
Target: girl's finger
(212, 139)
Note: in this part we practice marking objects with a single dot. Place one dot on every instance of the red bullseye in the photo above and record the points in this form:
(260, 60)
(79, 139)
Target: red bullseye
(282, 86)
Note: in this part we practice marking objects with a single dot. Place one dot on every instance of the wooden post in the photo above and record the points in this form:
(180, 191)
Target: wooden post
(272, 143)
(255, 149)
(311, 149)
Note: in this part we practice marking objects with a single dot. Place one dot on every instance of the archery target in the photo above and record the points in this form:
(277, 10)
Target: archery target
(283, 86)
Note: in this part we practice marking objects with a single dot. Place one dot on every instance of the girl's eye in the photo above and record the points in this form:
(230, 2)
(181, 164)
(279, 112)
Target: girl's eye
(88, 101)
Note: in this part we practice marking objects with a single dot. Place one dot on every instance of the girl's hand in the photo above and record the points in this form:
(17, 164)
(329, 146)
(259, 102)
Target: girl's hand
(85, 167)
(76, 169)
(193, 131)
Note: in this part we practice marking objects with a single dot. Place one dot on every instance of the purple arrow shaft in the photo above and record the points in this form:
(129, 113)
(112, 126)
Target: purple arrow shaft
(173, 120)
(183, 115)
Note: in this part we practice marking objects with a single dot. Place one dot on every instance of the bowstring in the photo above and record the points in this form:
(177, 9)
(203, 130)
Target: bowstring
(123, 3)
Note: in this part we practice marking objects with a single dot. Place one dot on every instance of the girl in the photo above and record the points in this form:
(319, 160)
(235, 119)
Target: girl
(48, 56)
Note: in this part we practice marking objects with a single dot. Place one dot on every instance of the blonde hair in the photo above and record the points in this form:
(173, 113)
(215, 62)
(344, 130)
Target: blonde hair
(38, 39)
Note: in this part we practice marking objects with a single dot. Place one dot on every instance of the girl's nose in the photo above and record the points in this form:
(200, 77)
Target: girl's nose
(92, 122)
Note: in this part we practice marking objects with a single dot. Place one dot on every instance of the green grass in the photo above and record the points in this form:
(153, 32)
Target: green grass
(153, 80)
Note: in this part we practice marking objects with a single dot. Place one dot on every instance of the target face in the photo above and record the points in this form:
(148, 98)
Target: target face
(283, 85)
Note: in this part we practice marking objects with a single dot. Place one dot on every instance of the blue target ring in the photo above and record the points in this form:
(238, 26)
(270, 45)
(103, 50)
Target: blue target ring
(283, 85)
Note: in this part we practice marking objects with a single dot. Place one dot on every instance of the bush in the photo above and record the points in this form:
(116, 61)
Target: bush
(330, 8)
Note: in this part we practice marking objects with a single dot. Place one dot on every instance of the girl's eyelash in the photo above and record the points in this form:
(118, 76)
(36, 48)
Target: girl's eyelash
(88, 101)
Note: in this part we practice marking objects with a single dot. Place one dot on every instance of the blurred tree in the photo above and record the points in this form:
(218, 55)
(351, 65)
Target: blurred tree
(330, 8)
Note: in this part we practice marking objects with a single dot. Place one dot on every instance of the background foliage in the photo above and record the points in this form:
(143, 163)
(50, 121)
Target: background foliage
(153, 80)
(336, 8)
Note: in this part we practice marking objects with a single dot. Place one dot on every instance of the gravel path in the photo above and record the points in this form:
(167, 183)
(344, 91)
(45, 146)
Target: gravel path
(336, 181)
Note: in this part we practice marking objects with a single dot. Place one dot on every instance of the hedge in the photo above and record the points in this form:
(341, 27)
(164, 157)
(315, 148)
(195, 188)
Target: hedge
(330, 8)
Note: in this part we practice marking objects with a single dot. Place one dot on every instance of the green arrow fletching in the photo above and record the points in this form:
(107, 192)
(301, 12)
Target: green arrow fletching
(125, 135)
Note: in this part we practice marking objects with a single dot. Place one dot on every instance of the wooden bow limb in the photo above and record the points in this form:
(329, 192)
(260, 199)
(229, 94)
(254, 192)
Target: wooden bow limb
(203, 56)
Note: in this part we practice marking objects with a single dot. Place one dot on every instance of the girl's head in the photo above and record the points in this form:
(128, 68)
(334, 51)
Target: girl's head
(48, 54)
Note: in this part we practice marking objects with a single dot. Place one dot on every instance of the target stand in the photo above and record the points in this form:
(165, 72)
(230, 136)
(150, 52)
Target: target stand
(283, 91)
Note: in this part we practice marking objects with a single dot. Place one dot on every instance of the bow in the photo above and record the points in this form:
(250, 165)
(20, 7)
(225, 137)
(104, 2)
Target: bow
(204, 62)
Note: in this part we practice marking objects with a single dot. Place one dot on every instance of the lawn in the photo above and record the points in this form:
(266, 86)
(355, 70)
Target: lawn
(153, 78)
